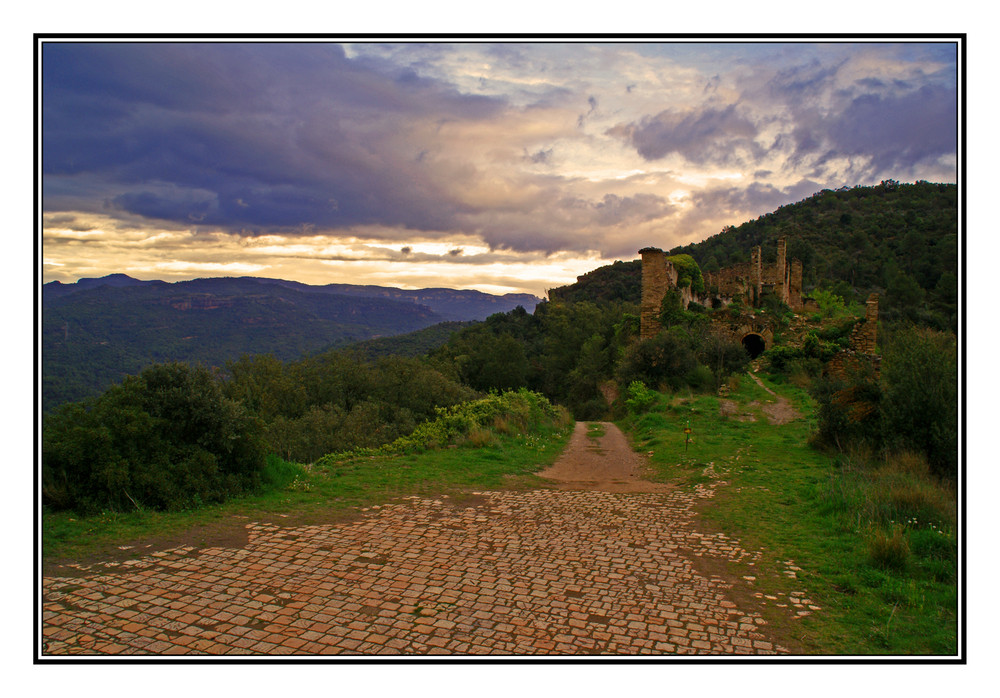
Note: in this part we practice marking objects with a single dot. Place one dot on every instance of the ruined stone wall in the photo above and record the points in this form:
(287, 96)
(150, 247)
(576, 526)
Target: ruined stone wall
(738, 281)
(863, 336)
(863, 346)
(794, 285)
(745, 281)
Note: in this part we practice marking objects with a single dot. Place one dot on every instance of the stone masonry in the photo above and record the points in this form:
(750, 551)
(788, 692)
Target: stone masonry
(747, 282)
(540, 572)
(862, 348)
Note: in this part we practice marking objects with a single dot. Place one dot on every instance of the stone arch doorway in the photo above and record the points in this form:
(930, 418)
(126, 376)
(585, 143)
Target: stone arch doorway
(754, 344)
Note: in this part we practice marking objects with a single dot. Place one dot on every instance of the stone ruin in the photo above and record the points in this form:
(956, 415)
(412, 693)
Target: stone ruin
(749, 282)
(861, 349)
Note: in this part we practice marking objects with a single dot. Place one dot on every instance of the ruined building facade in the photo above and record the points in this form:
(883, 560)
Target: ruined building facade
(748, 282)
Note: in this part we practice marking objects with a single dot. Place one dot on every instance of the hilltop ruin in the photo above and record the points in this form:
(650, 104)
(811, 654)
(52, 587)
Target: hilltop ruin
(748, 283)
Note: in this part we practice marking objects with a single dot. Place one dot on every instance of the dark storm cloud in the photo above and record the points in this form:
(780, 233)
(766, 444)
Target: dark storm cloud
(818, 113)
(898, 131)
(258, 136)
(895, 123)
(706, 135)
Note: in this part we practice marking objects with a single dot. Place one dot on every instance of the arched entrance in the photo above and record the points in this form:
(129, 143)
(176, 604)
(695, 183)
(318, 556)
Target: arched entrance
(754, 344)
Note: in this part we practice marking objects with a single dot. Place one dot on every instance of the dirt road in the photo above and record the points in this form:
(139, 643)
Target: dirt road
(600, 563)
(605, 463)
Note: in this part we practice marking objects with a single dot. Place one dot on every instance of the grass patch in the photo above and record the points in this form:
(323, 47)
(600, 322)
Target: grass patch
(874, 539)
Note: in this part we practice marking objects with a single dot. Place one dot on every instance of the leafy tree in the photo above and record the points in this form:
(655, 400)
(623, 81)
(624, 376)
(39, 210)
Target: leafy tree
(662, 361)
(688, 272)
(904, 297)
(165, 439)
(920, 406)
(498, 364)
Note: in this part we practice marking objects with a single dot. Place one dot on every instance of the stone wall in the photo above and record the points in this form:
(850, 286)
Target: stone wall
(862, 351)
(745, 282)
(863, 336)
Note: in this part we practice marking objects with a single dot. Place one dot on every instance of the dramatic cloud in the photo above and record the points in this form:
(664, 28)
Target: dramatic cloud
(709, 135)
(545, 157)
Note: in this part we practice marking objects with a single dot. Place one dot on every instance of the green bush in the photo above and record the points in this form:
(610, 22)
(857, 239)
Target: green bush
(848, 410)
(723, 355)
(165, 439)
(920, 407)
(639, 398)
(279, 473)
(664, 360)
(336, 402)
(688, 272)
(512, 412)
(830, 304)
(779, 358)
(701, 378)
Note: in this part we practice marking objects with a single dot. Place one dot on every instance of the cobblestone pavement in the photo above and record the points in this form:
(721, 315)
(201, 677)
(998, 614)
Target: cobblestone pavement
(540, 572)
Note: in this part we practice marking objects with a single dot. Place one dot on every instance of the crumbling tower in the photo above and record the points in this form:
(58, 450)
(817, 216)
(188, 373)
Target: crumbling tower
(863, 336)
(794, 285)
(654, 286)
(756, 276)
(781, 273)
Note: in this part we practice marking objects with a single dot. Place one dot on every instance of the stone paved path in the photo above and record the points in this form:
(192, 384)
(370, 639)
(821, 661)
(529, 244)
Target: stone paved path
(541, 572)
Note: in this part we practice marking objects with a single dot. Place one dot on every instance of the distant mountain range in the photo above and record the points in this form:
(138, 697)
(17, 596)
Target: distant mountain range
(96, 331)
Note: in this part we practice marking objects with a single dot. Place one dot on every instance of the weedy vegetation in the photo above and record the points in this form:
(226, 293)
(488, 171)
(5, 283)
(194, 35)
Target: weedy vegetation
(874, 535)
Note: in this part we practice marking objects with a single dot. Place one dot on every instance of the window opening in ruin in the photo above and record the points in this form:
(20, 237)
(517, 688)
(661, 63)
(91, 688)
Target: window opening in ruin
(754, 344)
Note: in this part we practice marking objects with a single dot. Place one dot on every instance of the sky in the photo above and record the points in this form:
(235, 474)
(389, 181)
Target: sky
(497, 166)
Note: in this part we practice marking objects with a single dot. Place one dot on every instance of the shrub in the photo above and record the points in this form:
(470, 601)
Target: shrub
(830, 304)
(920, 408)
(722, 355)
(663, 360)
(279, 473)
(780, 357)
(848, 414)
(701, 378)
(165, 439)
(471, 423)
(688, 272)
(639, 398)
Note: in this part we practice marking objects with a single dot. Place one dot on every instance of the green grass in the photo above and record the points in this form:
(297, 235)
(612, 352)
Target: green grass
(875, 541)
(595, 431)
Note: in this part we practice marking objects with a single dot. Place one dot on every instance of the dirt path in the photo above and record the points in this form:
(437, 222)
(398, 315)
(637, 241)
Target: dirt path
(780, 411)
(606, 463)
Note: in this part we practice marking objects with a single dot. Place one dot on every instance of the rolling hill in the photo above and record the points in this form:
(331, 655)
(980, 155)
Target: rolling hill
(96, 331)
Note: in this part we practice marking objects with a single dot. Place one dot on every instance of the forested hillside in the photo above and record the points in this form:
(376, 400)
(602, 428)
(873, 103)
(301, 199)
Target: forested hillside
(900, 240)
(97, 331)
(409, 345)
